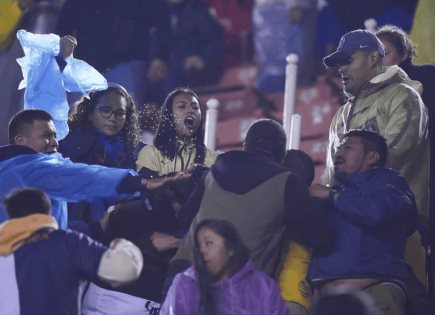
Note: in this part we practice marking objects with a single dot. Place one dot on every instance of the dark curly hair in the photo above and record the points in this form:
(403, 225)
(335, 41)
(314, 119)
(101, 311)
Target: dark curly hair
(399, 39)
(86, 105)
(165, 139)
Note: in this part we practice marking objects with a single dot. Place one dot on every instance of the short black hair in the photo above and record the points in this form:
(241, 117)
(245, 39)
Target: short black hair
(372, 141)
(26, 201)
(300, 164)
(266, 136)
(25, 119)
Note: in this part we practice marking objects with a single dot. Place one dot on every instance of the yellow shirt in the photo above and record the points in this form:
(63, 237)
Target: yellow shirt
(152, 158)
(292, 281)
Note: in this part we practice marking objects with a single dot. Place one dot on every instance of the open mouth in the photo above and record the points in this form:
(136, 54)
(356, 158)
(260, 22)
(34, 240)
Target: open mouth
(338, 162)
(189, 121)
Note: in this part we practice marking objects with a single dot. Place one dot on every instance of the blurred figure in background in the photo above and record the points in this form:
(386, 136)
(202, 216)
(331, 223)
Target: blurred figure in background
(341, 16)
(198, 45)
(235, 17)
(127, 41)
(38, 16)
(423, 31)
(282, 27)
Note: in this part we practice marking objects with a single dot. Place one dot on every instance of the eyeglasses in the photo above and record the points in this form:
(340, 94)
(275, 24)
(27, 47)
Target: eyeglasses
(106, 112)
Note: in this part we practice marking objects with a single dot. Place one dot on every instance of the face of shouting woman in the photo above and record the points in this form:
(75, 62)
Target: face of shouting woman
(187, 116)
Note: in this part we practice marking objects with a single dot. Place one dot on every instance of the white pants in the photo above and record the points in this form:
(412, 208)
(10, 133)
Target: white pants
(99, 301)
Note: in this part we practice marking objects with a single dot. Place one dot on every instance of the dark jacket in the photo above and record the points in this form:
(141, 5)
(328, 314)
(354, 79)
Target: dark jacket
(195, 32)
(261, 198)
(373, 215)
(84, 144)
(426, 75)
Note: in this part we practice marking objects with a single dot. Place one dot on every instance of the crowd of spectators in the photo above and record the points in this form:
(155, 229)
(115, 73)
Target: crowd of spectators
(163, 224)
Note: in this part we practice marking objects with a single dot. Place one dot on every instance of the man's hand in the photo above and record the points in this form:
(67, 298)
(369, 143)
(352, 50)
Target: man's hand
(67, 45)
(156, 183)
(157, 70)
(163, 242)
(320, 191)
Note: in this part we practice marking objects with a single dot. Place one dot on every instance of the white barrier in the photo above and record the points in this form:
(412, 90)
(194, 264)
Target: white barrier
(211, 123)
(290, 96)
(295, 132)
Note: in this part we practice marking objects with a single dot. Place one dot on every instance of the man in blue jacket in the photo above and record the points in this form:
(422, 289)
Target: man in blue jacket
(32, 160)
(373, 213)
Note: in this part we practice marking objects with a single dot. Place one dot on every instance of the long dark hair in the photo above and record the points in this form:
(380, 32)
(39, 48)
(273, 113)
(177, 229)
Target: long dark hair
(239, 257)
(165, 139)
(85, 106)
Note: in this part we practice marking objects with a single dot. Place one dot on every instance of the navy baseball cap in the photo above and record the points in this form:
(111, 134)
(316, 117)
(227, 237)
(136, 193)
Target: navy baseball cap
(352, 42)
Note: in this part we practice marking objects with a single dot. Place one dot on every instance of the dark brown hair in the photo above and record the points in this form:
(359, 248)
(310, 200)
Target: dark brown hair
(86, 105)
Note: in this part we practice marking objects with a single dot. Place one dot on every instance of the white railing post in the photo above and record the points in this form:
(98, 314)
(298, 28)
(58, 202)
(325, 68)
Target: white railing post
(295, 132)
(211, 123)
(290, 94)
(371, 25)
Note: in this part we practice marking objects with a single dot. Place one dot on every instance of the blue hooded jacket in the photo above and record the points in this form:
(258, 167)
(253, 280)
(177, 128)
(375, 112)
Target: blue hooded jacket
(373, 215)
(63, 180)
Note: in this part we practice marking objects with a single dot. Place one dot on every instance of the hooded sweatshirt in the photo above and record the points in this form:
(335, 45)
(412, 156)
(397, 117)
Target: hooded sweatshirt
(258, 196)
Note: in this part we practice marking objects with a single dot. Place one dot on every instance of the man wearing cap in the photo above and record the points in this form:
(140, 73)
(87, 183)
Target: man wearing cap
(384, 100)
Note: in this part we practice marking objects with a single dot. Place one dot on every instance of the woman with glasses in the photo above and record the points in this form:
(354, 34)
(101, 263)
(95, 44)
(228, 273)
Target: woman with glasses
(103, 129)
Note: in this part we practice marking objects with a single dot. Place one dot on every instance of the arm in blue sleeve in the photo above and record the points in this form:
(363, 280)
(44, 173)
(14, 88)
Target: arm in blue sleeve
(369, 205)
(72, 182)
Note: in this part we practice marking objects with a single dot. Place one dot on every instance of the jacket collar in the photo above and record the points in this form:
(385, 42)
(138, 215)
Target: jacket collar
(14, 232)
